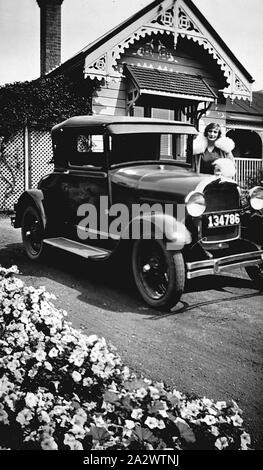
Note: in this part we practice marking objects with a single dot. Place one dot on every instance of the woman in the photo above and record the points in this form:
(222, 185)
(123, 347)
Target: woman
(211, 146)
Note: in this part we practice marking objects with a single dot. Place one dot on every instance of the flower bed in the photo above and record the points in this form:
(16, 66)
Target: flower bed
(61, 389)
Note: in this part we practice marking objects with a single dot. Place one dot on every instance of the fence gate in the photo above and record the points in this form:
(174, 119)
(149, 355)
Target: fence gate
(24, 159)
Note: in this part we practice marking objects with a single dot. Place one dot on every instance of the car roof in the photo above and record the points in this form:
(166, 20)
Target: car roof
(125, 125)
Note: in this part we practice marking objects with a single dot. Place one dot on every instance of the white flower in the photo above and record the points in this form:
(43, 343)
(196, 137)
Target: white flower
(92, 339)
(220, 405)
(190, 410)
(53, 352)
(209, 420)
(48, 366)
(49, 443)
(214, 431)
(76, 376)
(137, 413)
(151, 422)
(87, 381)
(126, 373)
(90, 406)
(221, 443)
(245, 440)
(77, 357)
(97, 369)
(99, 421)
(141, 392)
(24, 417)
(80, 418)
(212, 411)
(44, 416)
(129, 424)
(207, 402)
(237, 421)
(154, 392)
(177, 394)
(31, 400)
(40, 355)
(78, 431)
(3, 416)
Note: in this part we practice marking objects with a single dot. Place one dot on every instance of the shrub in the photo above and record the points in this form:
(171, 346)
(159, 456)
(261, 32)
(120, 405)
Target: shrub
(61, 389)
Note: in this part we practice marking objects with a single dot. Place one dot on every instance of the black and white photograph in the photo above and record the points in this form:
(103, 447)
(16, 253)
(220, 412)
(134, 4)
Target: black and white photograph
(131, 231)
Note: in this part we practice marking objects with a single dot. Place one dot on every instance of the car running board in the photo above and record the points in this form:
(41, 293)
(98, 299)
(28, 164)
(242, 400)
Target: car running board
(80, 249)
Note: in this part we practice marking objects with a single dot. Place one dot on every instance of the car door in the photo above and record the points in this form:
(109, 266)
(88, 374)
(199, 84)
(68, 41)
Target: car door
(88, 189)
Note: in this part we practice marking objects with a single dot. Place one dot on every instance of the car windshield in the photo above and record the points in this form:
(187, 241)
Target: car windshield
(137, 147)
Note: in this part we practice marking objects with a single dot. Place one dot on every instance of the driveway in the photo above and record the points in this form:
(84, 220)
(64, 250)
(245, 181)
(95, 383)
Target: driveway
(210, 344)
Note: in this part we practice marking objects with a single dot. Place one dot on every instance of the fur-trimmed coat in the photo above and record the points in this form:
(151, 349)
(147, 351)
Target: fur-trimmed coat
(224, 144)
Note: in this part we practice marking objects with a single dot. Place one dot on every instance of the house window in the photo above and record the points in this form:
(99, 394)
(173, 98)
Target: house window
(166, 140)
(172, 147)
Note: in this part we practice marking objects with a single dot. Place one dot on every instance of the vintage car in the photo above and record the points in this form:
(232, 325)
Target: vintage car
(126, 187)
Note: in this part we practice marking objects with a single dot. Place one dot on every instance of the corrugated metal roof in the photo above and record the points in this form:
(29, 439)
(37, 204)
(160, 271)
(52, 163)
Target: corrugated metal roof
(169, 82)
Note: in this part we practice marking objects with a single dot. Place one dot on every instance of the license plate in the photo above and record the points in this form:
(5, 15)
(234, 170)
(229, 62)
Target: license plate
(222, 220)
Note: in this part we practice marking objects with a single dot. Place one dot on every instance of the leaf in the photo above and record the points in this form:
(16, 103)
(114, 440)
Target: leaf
(99, 434)
(135, 385)
(185, 430)
(127, 403)
(175, 401)
(111, 397)
(155, 407)
(144, 434)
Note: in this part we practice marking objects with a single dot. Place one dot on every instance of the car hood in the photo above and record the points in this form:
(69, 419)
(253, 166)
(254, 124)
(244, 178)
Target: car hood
(169, 179)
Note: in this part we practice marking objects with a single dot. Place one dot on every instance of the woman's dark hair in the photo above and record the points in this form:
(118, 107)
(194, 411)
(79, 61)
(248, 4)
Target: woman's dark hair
(213, 125)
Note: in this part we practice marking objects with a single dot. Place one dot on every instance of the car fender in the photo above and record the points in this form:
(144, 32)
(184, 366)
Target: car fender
(31, 196)
(162, 226)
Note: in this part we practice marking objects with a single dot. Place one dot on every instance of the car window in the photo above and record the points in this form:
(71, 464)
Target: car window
(87, 151)
(136, 147)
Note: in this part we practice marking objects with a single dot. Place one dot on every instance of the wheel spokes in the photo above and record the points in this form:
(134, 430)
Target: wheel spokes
(154, 271)
(33, 233)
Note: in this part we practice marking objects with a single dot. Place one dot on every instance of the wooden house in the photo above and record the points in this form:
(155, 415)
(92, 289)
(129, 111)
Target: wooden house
(167, 61)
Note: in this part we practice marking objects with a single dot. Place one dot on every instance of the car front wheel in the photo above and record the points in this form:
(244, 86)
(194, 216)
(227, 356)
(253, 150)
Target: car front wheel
(159, 274)
(32, 232)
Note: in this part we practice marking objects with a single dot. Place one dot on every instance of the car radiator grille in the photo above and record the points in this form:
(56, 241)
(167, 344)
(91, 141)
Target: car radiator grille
(220, 197)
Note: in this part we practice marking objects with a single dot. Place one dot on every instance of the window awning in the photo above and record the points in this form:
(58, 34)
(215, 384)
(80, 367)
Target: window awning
(171, 84)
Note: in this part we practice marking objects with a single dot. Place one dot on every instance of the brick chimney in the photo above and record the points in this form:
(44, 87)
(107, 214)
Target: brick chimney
(50, 34)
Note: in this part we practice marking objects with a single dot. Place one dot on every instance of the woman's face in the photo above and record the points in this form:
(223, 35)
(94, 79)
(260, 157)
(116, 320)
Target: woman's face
(212, 135)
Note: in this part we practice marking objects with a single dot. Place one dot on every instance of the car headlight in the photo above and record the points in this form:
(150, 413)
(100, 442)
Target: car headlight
(195, 204)
(256, 198)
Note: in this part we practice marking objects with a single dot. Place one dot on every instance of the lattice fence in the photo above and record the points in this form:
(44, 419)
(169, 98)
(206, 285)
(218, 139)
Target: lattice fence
(24, 159)
(12, 171)
(40, 156)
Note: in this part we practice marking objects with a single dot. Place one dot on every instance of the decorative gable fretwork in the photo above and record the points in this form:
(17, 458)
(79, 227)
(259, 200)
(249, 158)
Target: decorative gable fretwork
(171, 17)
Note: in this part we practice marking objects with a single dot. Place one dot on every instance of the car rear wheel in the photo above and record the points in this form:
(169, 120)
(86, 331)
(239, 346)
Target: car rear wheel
(256, 274)
(32, 232)
(159, 274)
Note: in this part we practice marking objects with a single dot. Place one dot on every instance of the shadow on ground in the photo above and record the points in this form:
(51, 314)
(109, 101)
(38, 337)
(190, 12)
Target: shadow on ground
(108, 286)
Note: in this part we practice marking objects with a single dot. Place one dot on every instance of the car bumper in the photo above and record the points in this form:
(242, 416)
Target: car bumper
(217, 265)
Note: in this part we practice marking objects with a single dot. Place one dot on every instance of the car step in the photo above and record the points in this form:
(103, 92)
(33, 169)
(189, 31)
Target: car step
(77, 248)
